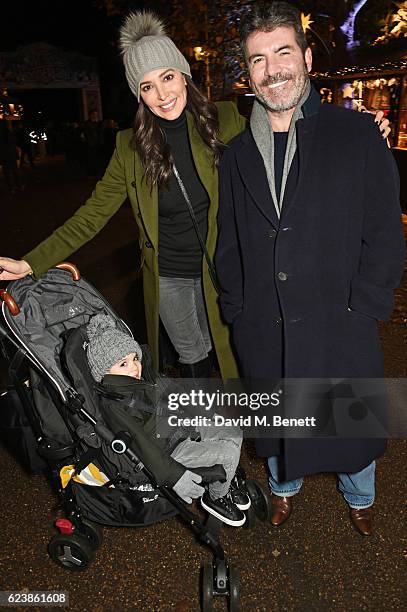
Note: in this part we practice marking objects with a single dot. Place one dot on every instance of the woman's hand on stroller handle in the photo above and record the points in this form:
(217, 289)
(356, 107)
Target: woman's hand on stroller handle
(188, 488)
(13, 269)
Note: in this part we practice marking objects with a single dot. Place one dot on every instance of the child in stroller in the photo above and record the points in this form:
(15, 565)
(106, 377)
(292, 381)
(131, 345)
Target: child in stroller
(115, 360)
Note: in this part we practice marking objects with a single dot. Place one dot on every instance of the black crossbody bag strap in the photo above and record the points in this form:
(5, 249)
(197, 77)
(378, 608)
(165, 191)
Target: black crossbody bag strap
(211, 267)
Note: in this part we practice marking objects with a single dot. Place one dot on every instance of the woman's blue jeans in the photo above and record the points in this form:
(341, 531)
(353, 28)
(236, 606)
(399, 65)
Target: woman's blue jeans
(358, 489)
(183, 313)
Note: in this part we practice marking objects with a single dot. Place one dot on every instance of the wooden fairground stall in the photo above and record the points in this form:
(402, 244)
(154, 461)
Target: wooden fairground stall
(377, 87)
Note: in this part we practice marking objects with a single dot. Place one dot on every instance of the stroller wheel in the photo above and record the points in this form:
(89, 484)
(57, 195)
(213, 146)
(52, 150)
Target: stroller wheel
(207, 588)
(92, 532)
(250, 518)
(72, 552)
(261, 502)
(234, 590)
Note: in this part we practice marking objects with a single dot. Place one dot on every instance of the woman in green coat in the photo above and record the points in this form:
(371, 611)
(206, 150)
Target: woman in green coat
(174, 124)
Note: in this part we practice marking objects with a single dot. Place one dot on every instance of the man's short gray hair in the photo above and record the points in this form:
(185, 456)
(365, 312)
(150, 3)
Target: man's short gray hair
(266, 17)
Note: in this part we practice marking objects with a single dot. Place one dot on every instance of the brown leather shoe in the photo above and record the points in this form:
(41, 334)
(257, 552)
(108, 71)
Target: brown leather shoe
(362, 520)
(281, 509)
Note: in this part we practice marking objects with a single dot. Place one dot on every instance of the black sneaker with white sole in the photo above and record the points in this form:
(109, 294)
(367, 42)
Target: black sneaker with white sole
(224, 509)
(238, 491)
(240, 498)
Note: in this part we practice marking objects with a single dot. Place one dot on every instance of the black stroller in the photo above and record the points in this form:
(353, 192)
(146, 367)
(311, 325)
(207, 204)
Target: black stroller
(74, 445)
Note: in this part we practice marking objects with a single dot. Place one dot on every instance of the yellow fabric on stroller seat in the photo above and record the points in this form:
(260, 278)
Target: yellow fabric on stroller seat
(90, 475)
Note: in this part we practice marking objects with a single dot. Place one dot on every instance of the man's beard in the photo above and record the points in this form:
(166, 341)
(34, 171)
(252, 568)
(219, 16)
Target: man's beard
(287, 101)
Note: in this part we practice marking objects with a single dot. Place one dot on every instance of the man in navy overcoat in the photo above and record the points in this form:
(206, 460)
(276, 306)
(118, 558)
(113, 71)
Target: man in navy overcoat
(310, 250)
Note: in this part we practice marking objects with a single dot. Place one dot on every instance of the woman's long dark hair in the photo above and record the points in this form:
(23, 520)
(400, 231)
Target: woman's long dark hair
(149, 139)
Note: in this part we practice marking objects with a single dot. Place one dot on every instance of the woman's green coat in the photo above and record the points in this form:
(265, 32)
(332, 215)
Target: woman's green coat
(124, 178)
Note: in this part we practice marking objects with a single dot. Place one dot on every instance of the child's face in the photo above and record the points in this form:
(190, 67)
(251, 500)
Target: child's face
(128, 366)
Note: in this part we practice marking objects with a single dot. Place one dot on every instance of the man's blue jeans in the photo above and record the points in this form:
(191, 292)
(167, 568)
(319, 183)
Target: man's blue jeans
(358, 489)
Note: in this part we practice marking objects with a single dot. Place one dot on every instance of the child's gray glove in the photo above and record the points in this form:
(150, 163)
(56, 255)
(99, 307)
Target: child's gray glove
(187, 487)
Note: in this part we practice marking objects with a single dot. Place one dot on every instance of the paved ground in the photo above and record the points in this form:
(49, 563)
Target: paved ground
(315, 562)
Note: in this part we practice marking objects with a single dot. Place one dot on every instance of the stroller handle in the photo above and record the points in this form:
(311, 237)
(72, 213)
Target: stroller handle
(10, 302)
(70, 267)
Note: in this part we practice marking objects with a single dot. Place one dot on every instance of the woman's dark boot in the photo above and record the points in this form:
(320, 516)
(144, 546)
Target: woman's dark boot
(200, 369)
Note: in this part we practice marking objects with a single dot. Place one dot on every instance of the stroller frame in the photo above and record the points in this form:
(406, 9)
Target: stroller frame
(79, 538)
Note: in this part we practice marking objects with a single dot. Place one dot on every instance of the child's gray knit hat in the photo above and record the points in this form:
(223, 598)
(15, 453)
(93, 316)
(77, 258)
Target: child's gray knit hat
(107, 345)
(146, 47)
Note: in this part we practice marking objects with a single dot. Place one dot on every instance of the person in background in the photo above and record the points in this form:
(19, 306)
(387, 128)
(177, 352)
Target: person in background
(24, 144)
(92, 138)
(109, 134)
(9, 156)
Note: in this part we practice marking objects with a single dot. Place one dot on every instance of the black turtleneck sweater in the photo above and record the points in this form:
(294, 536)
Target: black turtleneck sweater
(280, 145)
(180, 254)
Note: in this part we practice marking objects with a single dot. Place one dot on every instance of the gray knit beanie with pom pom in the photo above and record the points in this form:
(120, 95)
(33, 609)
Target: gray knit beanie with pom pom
(146, 47)
(107, 345)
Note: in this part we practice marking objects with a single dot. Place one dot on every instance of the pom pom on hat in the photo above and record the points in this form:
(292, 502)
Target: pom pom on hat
(107, 345)
(138, 25)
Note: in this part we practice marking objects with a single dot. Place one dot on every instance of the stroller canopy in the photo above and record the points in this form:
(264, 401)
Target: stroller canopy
(49, 307)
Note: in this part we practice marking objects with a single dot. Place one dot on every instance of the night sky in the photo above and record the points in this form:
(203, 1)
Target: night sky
(72, 24)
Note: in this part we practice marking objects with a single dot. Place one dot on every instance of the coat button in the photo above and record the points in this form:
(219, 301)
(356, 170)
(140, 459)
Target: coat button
(282, 276)
(271, 233)
(148, 244)
(133, 184)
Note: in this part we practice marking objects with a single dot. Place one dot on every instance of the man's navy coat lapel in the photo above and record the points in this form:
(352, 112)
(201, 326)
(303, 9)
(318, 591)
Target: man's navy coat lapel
(306, 128)
(253, 173)
(298, 170)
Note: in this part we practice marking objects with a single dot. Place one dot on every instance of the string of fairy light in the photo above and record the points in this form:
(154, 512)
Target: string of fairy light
(397, 66)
